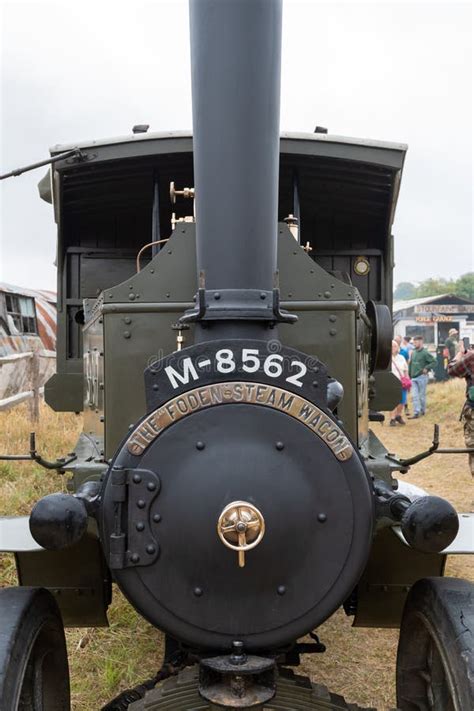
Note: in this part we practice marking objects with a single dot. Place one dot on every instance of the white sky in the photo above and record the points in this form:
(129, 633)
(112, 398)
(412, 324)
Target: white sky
(399, 71)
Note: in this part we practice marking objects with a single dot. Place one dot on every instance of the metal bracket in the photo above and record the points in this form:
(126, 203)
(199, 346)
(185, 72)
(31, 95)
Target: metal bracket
(238, 305)
(33, 456)
(133, 542)
(390, 504)
(434, 449)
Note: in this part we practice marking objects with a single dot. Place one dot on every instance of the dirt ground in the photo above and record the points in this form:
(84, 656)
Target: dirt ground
(359, 663)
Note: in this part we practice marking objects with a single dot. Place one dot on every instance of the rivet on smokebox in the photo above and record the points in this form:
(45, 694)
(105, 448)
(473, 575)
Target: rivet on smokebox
(126, 334)
(332, 332)
(131, 297)
(327, 294)
(200, 445)
(279, 446)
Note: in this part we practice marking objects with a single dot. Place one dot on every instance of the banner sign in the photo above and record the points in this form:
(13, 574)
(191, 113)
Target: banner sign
(444, 309)
(433, 319)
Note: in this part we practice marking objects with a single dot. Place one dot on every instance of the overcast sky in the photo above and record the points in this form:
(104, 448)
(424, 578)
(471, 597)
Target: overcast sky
(399, 71)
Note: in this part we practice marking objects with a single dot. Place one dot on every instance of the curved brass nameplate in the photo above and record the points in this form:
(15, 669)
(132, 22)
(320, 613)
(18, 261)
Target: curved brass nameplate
(240, 392)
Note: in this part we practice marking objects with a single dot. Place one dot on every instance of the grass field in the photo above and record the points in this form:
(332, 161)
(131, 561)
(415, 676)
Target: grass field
(359, 663)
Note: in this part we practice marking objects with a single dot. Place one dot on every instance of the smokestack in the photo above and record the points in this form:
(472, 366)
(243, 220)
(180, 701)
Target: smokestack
(236, 66)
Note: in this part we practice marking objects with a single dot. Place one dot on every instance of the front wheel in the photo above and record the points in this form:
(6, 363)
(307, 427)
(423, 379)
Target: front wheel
(34, 673)
(435, 661)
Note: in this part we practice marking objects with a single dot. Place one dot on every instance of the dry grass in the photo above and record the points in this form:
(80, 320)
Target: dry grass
(359, 663)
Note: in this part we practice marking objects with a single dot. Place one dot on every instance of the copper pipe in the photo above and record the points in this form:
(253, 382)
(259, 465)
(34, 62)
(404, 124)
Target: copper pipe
(150, 244)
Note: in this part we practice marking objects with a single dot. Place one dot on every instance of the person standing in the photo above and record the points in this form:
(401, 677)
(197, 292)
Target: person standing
(421, 362)
(400, 371)
(406, 347)
(463, 367)
(451, 343)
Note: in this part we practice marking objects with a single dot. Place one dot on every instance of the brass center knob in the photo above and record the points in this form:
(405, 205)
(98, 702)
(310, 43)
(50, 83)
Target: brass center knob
(241, 527)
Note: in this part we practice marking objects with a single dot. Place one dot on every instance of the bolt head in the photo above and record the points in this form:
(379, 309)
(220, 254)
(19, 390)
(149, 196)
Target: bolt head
(322, 518)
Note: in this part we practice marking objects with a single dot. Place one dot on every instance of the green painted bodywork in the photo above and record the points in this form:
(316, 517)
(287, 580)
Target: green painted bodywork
(77, 577)
(132, 327)
(348, 191)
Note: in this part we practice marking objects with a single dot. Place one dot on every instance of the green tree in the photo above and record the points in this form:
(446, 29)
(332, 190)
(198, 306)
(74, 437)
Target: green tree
(404, 290)
(435, 286)
(464, 286)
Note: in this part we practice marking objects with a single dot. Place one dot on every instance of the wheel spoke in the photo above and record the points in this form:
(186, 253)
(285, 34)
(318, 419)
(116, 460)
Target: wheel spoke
(228, 529)
(253, 524)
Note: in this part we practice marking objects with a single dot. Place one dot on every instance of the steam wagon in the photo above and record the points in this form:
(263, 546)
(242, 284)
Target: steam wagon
(224, 324)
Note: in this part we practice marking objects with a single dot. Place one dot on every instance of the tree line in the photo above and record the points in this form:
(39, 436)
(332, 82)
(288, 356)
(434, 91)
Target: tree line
(463, 286)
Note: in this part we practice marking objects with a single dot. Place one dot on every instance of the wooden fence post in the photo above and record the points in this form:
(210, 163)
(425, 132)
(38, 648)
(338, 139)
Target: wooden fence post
(35, 386)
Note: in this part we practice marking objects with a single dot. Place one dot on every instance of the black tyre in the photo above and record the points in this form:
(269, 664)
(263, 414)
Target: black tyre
(435, 662)
(34, 673)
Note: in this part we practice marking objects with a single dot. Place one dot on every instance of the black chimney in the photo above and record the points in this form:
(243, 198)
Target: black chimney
(236, 64)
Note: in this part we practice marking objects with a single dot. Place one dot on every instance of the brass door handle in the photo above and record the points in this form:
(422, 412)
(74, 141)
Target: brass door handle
(241, 527)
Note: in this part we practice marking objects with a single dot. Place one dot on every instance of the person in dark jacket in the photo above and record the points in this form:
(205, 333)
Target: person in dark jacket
(463, 367)
(421, 362)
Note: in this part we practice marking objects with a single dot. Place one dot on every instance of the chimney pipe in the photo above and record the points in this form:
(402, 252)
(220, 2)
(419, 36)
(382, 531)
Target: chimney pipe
(235, 65)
